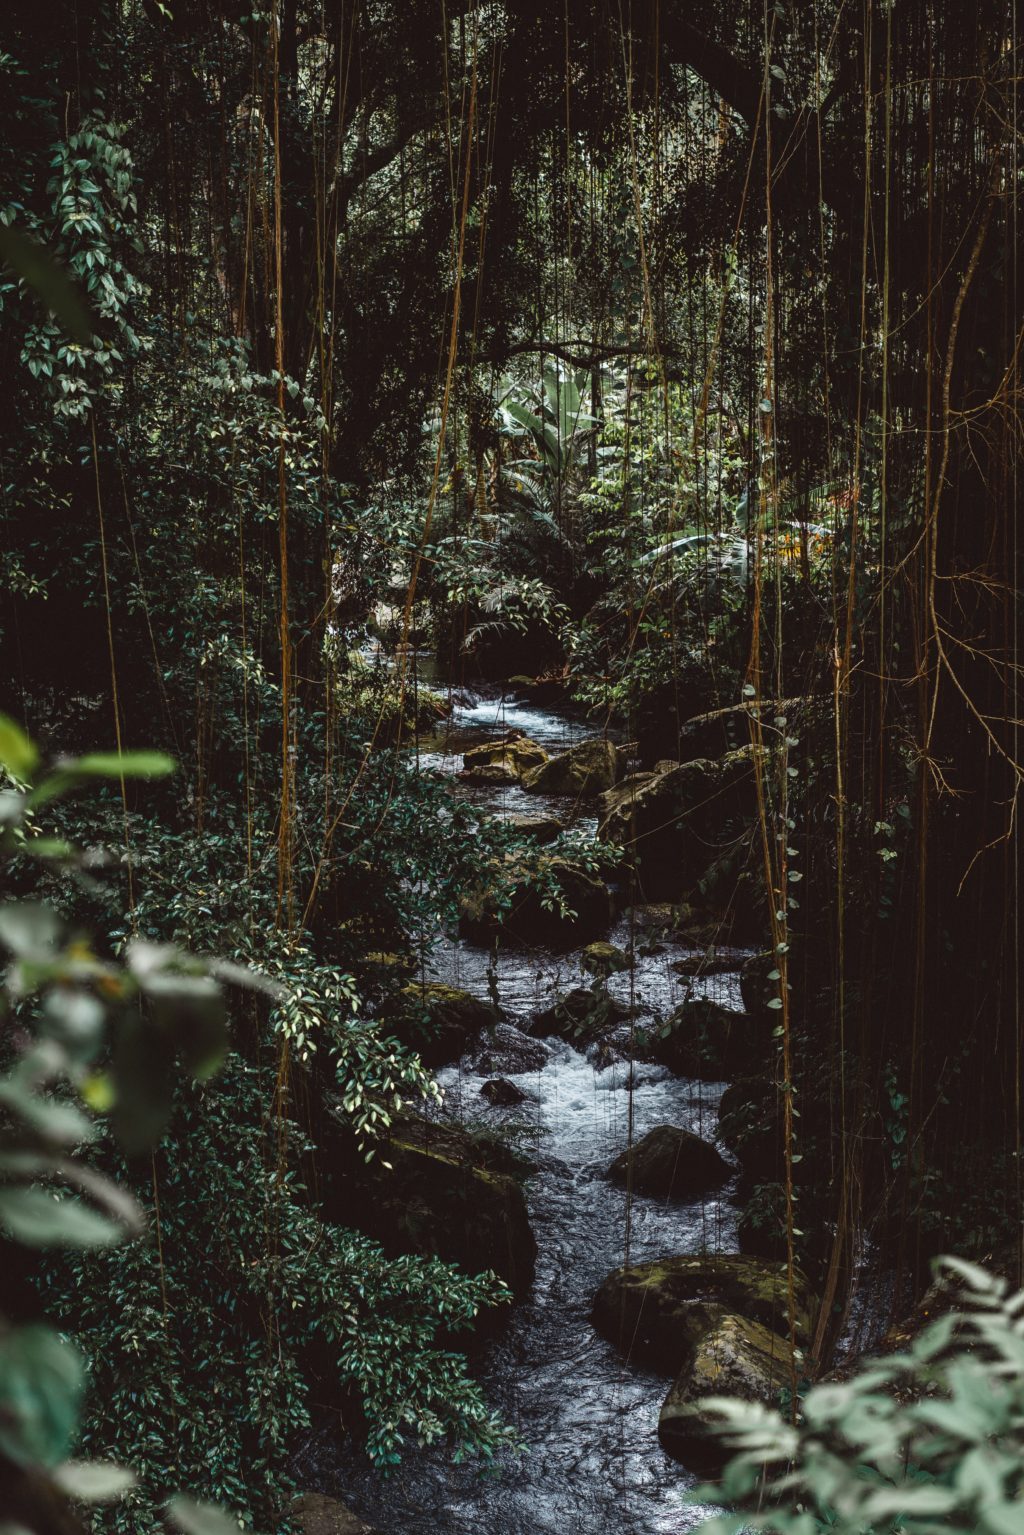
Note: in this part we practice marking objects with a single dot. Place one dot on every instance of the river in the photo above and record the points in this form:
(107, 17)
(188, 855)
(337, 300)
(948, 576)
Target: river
(593, 1464)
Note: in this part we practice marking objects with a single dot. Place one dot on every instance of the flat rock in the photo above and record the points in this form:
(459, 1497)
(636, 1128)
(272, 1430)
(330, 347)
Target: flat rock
(445, 1194)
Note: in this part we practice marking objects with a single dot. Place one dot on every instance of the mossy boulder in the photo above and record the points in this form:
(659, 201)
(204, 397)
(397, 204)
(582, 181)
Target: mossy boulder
(313, 1513)
(713, 1043)
(440, 1022)
(671, 1162)
(582, 1016)
(673, 824)
(584, 771)
(528, 921)
(735, 1357)
(445, 1194)
(514, 755)
(657, 1312)
(604, 959)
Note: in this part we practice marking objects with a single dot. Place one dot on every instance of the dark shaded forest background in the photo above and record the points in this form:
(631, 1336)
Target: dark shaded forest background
(669, 353)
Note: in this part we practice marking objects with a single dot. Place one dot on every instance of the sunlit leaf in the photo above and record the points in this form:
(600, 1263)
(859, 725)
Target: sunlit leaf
(17, 754)
(94, 1481)
(41, 1219)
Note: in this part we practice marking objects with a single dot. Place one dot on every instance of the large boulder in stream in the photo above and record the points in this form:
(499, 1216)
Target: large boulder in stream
(671, 1162)
(659, 1312)
(735, 1357)
(503, 1093)
(712, 1043)
(508, 1050)
(528, 921)
(585, 770)
(445, 1194)
(440, 1022)
(675, 823)
(582, 1016)
(505, 761)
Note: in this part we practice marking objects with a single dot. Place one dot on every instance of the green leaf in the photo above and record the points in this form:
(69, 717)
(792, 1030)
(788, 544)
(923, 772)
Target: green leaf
(35, 265)
(17, 754)
(29, 929)
(48, 1117)
(41, 1384)
(146, 764)
(94, 1481)
(40, 1219)
(200, 1518)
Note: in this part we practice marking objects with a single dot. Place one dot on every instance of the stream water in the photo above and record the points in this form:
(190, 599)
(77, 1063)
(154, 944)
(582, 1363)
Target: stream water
(589, 1419)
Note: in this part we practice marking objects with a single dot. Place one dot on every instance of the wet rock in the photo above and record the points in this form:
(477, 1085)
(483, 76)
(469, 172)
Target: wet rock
(542, 828)
(445, 1194)
(659, 1311)
(705, 1040)
(440, 1022)
(528, 921)
(315, 1514)
(671, 1162)
(674, 824)
(582, 1016)
(736, 1358)
(515, 755)
(623, 796)
(489, 775)
(583, 771)
(509, 1050)
(604, 959)
(503, 1093)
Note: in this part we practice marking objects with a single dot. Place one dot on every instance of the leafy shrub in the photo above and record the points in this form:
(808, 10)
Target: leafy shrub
(915, 1443)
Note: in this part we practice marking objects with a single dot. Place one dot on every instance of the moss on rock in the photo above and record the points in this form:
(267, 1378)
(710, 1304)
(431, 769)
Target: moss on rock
(737, 1358)
(656, 1311)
